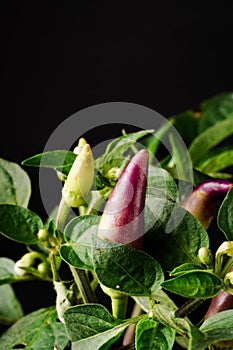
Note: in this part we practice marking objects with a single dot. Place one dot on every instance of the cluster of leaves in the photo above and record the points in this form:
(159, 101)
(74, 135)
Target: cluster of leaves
(168, 264)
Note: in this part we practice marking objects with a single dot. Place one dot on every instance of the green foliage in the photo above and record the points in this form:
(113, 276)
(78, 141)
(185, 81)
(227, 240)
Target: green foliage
(194, 284)
(38, 330)
(15, 185)
(225, 216)
(150, 335)
(19, 224)
(10, 307)
(58, 160)
(82, 267)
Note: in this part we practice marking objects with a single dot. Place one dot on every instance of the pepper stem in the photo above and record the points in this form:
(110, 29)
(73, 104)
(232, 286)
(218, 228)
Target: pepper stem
(83, 285)
(119, 306)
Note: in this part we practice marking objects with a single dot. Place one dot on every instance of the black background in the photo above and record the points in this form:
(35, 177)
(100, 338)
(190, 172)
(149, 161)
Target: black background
(60, 58)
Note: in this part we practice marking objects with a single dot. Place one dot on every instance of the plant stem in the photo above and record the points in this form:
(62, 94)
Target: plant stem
(119, 306)
(188, 307)
(83, 285)
(130, 331)
(56, 277)
(227, 267)
(62, 214)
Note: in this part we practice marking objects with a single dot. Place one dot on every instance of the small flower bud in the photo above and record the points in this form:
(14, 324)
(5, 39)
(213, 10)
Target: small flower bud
(18, 269)
(43, 235)
(205, 256)
(82, 142)
(80, 178)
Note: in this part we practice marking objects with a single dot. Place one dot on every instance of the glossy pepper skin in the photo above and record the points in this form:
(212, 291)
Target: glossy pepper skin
(223, 301)
(123, 218)
(203, 201)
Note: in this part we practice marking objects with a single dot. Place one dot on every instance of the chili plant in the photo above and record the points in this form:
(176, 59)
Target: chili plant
(134, 262)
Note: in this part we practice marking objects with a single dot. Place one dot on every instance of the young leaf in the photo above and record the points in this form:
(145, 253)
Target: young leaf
(194, 284)
(6, 270)
(92, 327)
(10, 308)
(19, 224)
(150, 335)
(186, 124)
(80, 229)
(209, 138)
(164, 312)
(180, 270)
(217, 160)
(126, 269)
(59, 160)
(215, 329)
(215, 109)
(119, 146)
(38, 330)
(181, 245)
(225, 216)
(15, 185)
(79, 255)
(181, 159)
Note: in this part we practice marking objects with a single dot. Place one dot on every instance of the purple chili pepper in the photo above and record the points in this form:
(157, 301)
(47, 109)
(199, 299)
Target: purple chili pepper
(123, 217)
(203, 201)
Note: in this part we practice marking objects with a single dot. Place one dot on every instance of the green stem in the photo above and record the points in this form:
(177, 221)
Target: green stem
(53, 265)
(130, 331)
(83, 285)
(62, 214)
(119, 306)
(188, 307)
(227, 267)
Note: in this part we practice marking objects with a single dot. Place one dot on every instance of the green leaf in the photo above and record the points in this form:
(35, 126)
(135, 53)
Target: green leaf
(225, 215)
(19, 224)
(215, 329)
(164, 312)
(150, 335)
(126, 269)
(180, 270)
(215, 109)
(153, 141)
(10, 308)
(217, 160)
(36, 331)
(6, 270)
(117, 148)
(160, 198)
(80, 229)
(59, 160)
(194, 284)
(92, 327)
(159, 179)
(181, 245)
(209, 138)
(78, 255)
(181, 159)
(145, 334)
(15, 185)
(186, 124)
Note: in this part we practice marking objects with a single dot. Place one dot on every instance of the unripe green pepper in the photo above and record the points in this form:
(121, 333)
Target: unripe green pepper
(80, 178)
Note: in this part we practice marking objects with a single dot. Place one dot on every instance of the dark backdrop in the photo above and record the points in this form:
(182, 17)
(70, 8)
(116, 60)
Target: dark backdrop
(61, 58)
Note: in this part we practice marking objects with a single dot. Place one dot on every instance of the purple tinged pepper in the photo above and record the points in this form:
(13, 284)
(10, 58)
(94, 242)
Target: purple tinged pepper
(203, 201)
(123, 217)
(223, 301)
